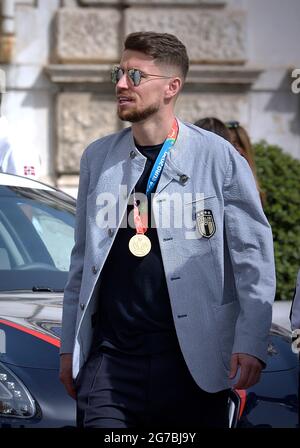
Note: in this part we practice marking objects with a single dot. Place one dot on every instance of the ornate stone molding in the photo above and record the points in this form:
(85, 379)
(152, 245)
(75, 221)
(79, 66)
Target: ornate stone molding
(198, 74)
(222, 74)
(205, 3)
(78, 73)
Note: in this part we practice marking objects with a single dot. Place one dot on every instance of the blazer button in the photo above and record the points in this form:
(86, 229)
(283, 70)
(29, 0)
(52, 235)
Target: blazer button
(94, 270)
(110, 232)
(82, 306)
(132, 154)
(183, 179)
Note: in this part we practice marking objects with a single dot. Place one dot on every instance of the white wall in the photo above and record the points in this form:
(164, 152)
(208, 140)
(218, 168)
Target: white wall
(273, 43)
(274, 32)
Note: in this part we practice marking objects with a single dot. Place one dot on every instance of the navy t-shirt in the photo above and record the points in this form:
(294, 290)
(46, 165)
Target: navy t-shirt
(134, 313)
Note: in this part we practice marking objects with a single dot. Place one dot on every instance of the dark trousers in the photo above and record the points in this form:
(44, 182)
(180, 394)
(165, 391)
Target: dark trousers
(116, 390)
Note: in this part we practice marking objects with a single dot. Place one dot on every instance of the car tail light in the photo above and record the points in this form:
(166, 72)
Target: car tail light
(237, 401)
(15, 400)
(243, 396)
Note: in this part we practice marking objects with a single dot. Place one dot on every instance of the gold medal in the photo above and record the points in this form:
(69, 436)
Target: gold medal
(139, 245)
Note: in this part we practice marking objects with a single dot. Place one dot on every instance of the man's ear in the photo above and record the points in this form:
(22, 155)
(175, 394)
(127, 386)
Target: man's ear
(173, 87)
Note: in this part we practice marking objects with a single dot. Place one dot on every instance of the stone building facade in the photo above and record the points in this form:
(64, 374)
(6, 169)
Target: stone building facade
(56, 57)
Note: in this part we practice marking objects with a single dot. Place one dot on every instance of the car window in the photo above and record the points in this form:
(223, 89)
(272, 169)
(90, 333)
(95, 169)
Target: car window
(36, 238)
(54, 232)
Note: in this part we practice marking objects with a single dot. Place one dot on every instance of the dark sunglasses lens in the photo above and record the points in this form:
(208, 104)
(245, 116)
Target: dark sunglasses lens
(116, 74)
(135, 76)
(120, 73)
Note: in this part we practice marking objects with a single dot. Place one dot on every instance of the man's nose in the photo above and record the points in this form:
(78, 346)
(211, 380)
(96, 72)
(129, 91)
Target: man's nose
(123, 81)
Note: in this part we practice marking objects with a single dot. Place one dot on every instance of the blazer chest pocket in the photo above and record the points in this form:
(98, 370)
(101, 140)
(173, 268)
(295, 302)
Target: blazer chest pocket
(199, 225)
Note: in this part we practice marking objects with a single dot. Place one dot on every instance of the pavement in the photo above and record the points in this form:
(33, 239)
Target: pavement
(281, 311)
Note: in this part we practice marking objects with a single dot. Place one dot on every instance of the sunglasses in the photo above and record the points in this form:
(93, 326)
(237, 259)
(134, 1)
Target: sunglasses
(134, 74)
(232, 124)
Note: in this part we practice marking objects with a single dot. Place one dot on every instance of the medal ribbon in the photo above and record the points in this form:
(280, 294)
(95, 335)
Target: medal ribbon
(141, 216)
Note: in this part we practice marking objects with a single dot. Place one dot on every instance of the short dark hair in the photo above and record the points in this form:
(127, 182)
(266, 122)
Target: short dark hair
(163, 47)
(215, 125)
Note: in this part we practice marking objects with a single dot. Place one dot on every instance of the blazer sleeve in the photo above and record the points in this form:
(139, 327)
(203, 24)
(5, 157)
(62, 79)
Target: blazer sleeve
(250, 242)
(72, 288)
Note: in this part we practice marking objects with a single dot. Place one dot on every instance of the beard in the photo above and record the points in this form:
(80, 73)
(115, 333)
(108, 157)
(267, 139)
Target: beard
(136, 116)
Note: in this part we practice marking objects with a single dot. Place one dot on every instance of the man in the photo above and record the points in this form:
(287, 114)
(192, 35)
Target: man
(159, 317)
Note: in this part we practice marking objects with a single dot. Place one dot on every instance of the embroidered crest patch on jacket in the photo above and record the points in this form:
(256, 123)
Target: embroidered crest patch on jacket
(205, 223)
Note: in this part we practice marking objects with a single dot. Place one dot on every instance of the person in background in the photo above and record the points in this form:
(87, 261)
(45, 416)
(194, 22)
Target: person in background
(215, 125)
(240, 139)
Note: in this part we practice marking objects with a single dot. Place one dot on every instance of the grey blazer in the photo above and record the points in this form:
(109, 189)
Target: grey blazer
(219, 266)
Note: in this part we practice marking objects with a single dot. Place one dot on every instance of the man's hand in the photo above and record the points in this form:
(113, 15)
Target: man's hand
(250, 366)
(65, 373)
